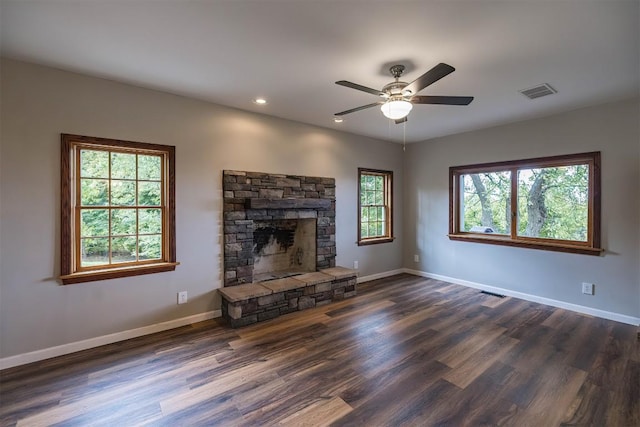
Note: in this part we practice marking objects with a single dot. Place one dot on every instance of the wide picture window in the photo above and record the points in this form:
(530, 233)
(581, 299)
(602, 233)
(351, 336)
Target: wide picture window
(118, 208)
(550, 203)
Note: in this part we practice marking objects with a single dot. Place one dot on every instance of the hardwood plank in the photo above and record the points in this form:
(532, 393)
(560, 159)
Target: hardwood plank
(381, 405)
(556, 391)
(590, 407)
(221, 384)
(626, 400)
(462, 351)
(321, 413)
(478, 362)
(492, 301)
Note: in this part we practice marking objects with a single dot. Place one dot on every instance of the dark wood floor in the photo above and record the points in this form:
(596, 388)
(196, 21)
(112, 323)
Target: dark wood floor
(405, 351)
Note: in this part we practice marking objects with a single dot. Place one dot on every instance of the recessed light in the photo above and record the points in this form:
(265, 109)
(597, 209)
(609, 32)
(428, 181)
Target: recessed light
(338, 119)
(260, 101)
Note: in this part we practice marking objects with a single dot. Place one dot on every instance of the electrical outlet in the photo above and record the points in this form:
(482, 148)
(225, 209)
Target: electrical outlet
(355, 265)
(587, 288)
(416, 258)
(182, 297)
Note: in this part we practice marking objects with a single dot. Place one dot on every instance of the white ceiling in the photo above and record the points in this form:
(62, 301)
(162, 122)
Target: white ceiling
(292, 52)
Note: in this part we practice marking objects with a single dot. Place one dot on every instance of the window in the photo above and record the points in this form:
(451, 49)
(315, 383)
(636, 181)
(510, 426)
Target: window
(548, 203)
(374, 206)
(118, 209)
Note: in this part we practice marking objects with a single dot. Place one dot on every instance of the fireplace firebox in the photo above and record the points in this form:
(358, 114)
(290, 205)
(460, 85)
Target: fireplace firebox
(276, 225)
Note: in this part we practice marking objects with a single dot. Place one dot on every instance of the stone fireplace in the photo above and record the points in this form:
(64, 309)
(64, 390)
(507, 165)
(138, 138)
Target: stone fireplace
(276, 225)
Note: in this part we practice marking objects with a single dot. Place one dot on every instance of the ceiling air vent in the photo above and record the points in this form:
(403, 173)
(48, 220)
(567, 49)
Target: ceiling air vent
(538, 91)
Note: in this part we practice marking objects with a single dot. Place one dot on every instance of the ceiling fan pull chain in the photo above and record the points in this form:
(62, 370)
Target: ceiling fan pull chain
(404, 136)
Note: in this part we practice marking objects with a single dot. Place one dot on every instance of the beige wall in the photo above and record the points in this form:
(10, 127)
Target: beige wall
(614, 130)
(39, 103)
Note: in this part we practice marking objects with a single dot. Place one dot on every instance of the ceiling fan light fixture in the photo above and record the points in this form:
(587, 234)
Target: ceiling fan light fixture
(395, 109)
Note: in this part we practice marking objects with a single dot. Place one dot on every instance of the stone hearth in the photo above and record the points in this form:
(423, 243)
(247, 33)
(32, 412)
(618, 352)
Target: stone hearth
(251, 197)
(257, 302)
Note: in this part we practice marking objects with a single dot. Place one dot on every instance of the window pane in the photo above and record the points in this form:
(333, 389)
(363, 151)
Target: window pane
(371, 198)
(372, 229)
(373, 214)
(123, 249)
(486, 203)
(553, 203)
(150, 247)
(364, 231)
(379, 198)
(381, 214)
(371, 183)
(379, 181)
(94, 164)
(150, 221)
(149, 193)
(380, 229)
(123, 222)
(94, 222)
(94, 252)
(149, 167)
(94, 192)
(123, 166)
(123, 193)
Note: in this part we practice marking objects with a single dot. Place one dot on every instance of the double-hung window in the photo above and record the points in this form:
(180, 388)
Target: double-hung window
(118, 208)
(374, 206)
(550, 203)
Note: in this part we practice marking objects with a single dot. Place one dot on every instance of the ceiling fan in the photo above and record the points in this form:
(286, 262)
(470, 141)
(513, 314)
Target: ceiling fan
(399, 97)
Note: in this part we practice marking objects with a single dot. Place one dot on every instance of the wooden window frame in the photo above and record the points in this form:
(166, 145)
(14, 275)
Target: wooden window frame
(388, 207)
(70, 272)
(590, 247)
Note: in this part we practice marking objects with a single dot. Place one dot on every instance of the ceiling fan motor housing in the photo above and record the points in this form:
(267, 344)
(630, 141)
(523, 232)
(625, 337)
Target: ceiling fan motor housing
(394, 88)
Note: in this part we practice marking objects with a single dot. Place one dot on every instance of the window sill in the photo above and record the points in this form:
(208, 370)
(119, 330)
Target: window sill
(375, 241)
(506, 241)
(114, 273)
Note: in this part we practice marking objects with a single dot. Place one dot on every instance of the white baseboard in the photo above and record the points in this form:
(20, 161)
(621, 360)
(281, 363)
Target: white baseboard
(380, 275)
(47, 353)
(623, 318)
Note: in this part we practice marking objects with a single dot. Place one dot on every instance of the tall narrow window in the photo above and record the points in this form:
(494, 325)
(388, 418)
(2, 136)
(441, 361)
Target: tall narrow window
(117, 208)
(548, 203)
(374, 206)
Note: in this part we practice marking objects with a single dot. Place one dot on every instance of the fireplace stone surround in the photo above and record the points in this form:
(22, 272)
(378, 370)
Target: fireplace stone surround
(255, 200)
(258, 196)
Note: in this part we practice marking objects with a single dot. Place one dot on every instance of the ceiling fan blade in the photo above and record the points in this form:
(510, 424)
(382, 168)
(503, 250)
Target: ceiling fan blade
(359, 87)
(430, 77)
(402, 120)
(446, 100)
(353, 110)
